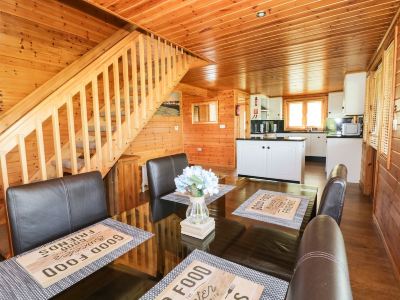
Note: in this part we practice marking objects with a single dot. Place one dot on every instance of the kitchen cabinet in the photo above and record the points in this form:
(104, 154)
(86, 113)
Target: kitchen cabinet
(256, 105)
(335, 105)
(274, 108)
(285, 160)
(264, 108)
(252, 158)
(354, 93)
(345, 151)
(282, 160)
(317, 144)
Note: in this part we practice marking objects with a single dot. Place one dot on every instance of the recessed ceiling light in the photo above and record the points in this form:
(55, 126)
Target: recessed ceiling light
(261, 14)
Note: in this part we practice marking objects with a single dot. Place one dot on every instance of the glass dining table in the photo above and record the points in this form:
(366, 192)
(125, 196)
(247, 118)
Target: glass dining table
(262, 246)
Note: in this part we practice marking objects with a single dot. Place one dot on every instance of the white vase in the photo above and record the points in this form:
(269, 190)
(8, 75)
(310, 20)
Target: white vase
(197, 212)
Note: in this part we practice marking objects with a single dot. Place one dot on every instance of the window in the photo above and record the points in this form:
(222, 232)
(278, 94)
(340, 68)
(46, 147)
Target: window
(305, 113)
(296, 114)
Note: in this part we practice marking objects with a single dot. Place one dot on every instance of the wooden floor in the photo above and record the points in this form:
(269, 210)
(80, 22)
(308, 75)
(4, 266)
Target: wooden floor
(371, 273)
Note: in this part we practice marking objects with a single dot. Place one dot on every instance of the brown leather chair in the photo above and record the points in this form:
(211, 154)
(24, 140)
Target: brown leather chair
(321, 270)
(332, 200)
(161, 173)
(44, 211)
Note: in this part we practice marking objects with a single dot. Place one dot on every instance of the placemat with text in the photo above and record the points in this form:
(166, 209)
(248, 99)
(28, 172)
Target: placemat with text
(205, 276)
(49, 269)
(184, 199)
(273, 207)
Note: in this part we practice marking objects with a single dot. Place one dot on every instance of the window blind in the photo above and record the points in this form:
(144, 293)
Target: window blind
(375, 107)
(387, 89)
(367, 106)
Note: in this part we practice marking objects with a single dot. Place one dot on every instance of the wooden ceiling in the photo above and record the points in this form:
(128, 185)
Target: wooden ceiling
(299, 47)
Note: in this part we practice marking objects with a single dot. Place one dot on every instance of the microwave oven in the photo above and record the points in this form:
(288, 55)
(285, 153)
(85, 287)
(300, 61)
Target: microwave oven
(351, 129)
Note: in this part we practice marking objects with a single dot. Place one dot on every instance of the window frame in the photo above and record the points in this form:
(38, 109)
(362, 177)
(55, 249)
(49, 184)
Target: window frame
(305, 99)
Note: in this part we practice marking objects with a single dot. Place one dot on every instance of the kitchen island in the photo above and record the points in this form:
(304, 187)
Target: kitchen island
(280, 158)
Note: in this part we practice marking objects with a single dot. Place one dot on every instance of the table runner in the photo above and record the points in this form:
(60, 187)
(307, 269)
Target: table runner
(274, 288)
(295, 223)
(184, 199)
(16, 283)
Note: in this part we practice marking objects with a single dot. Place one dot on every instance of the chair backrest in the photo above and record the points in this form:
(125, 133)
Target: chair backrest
(44, 211)
(332, 200)
(161, 173)
(321, 271)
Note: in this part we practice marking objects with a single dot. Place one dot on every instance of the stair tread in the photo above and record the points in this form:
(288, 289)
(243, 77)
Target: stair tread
(92, 144)
(103, 128)
(66, 163)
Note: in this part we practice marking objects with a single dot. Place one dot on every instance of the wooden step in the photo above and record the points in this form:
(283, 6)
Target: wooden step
(92, 145)
(66, 163)
(112, 113)
(103, 128)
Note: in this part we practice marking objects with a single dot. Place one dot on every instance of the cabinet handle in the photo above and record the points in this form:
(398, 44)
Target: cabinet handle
(263, 147)
(318, 137)
(268, 147)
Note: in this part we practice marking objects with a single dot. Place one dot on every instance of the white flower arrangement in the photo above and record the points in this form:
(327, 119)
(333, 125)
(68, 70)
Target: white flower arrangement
(197, 182)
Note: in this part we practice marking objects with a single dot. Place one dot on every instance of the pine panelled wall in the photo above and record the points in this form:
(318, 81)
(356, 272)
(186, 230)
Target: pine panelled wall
(158, 138)
(39, 39)
(387, 194)
(208, 144)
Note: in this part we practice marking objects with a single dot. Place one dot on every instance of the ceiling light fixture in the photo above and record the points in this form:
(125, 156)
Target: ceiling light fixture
(261, 14)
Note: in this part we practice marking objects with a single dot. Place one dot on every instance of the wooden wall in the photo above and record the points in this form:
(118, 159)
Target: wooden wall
(387, 194)
(38, 39)
(158, 138)
(217, 144)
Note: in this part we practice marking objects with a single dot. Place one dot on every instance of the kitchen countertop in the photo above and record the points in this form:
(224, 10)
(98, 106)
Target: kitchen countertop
(339, 136)
(291, 132)
(275, 139)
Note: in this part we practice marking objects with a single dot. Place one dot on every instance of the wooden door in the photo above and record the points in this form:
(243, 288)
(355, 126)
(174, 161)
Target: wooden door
(241, 121)
(123, 185)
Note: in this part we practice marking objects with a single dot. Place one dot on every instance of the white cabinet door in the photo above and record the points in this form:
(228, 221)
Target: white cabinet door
(251, 158)
(284, 160)
(317, 144)
(274, 108)
(335, 105)
(347, 151)
(354, 93)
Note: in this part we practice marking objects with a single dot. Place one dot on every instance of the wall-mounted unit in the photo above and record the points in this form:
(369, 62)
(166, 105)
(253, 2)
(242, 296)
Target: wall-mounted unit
(354, 93)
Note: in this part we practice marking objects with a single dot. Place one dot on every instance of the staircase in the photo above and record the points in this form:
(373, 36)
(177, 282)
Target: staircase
(93, 116)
